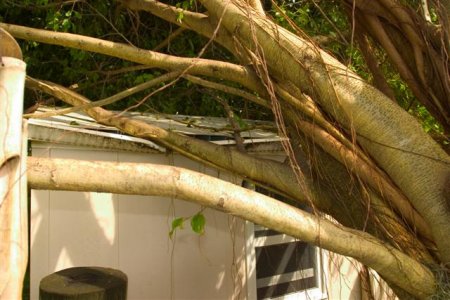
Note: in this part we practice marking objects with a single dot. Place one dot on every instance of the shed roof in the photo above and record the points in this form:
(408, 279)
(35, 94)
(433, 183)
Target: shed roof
(78, 129)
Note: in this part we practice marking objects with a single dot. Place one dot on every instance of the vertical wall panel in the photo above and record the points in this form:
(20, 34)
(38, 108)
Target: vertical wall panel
(131, 233)
(39, 239)
(39, 229)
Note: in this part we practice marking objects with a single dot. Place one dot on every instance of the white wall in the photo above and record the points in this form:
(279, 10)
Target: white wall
(130, 233)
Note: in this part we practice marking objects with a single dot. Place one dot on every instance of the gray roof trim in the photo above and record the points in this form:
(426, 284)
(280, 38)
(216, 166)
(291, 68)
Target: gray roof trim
(78, 129)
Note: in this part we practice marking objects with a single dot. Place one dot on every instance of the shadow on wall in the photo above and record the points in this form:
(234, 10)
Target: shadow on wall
(58, 218)
(130, 233)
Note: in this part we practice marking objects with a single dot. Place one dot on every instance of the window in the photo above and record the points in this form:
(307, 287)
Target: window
(282, 267)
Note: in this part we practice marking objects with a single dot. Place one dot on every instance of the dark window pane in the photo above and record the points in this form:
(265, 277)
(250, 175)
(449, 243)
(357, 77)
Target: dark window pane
(283, 268)
(283, 258)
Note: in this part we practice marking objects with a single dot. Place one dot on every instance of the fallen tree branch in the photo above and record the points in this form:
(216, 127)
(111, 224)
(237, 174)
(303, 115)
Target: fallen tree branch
(159, 180)
(117, 97)
(262, 171)
(199, 66)
(369, 175)
(388, 133)
(197, 22)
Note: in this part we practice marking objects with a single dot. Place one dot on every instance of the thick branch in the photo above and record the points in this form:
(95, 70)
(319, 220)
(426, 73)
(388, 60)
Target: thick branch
(206, 67)
(417, 165)
(242, 75)
(158, 180)
(197, 22)
(264, 171)
(368, 174)
(117, 97)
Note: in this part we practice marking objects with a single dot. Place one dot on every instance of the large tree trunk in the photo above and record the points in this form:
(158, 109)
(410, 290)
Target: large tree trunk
(353, 153)
(390, 135)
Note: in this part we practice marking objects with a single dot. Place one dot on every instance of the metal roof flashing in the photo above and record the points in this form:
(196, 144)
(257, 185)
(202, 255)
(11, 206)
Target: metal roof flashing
(78, 129)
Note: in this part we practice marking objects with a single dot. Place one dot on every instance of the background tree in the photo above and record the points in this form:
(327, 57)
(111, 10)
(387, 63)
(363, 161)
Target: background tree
(359, 91)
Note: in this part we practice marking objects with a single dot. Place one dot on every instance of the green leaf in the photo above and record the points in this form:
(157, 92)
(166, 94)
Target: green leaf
(198, 223)
(180, 17)
(176, 223)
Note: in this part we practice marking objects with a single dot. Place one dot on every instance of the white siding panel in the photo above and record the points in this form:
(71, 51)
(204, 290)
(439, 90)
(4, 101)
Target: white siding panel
(39, 239)
(83, 230)
(131, 233)
(143, 246)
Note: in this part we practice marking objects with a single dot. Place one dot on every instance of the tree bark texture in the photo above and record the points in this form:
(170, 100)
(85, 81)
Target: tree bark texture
(159, 180)
(356, 133)
(13, 182)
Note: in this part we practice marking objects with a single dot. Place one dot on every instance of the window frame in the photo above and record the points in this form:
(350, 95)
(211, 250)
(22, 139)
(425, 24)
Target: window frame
(317, 293)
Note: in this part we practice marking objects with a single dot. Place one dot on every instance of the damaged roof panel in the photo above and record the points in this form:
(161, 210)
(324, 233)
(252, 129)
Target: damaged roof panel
(78, 129)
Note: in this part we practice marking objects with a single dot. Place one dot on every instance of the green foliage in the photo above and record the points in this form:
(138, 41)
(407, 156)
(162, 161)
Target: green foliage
(184, 5)
(62, 21)
(90, 73)
(198, 222)
(326, 19)
(313, 17)
(429, 123)
(176, 224)
(408, 102)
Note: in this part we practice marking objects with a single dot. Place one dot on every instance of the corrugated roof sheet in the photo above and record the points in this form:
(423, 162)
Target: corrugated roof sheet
(78, 129)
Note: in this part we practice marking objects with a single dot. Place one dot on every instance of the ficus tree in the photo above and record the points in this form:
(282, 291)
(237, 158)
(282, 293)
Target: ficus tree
(367, 150)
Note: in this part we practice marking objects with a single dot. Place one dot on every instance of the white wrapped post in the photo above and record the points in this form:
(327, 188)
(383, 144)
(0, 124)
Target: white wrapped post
(13, 192)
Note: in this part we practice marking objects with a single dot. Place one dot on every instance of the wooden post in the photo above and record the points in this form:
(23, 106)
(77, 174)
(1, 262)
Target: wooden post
(13, 155)
(84, 283)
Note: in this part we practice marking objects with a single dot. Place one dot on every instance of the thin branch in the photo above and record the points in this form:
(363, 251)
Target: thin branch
(257, 6)
(336, 29)
(171, 36)
(197, 22)
(126, 70)
(379, 80)
(228, 89)
(259, 170)
(207, 67)
(425, 10)
(234, 125)
(117, 97)
(109, 23)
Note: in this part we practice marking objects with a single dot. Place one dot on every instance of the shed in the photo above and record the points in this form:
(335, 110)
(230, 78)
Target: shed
(233, 259)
